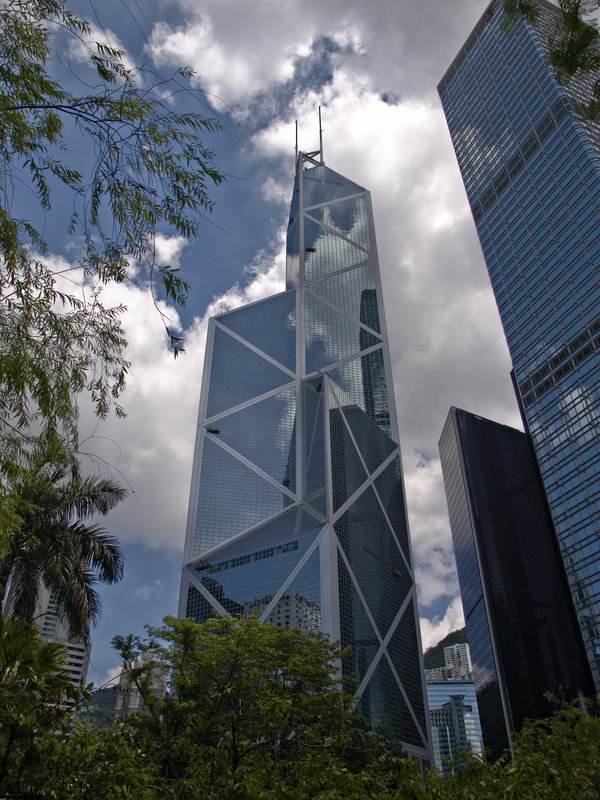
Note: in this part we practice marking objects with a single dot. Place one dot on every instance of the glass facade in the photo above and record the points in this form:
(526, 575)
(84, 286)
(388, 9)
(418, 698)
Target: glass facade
(530, 164)
(521, 624)
(297, 510)
(455, 726)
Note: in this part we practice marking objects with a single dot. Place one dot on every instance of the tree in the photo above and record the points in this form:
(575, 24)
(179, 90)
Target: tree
(53, 545)
(147, 169)
(573, 48)
(33, 687)
(255, 711)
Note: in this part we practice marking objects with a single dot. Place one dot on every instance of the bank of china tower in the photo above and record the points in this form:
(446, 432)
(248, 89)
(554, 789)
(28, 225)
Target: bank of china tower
(297, 509)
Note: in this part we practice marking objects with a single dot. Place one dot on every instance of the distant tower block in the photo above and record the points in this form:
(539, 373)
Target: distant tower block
(458, 656)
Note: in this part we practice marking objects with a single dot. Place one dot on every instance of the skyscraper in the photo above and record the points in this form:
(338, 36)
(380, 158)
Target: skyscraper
(455, 726)
(520, 619)
(53, 630)
(297, 507)
(459, 656)
(530, 164)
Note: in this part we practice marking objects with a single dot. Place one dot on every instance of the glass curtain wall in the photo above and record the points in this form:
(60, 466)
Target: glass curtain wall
(529, 159)
(297, 511)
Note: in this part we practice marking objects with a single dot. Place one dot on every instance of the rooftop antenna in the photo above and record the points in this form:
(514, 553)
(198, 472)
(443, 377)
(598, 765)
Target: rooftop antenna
(296, 141)
(321, 138)
(313, 154)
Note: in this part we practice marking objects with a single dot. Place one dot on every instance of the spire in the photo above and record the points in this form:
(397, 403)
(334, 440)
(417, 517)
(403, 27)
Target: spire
(315, 157)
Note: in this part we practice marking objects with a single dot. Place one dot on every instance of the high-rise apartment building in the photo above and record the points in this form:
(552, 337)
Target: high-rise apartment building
(297, 509)
(529, 159)
(519, 615)
(459, 657)
(54, 630)
(457, 663)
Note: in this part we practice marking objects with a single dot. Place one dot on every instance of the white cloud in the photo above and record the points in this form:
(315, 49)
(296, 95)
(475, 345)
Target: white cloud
(168, 249)
(110, 677)
(446, 343)
(80, 46)
(433, 630)
(149, 591)
(225, 70)
(402, 45)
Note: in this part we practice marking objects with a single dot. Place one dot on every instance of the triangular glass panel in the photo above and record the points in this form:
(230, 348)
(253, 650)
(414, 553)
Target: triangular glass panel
(257, 324)
(292, 256)
(390, 489)
(403, 650)
(306, 522)
(364, 381)
(374, 445)
(388, 707)
(224, 477)
(300, 605)
(375, 559)
(315, 439)
(277, 529)
(348, 218)
(356, 631)
(330, 336)
(237, 374)
(338, 397)
(347, 471)
(348, 377)
(326, 252)
(244, 581)
(197, 606)
(318, 502)
(322, 184)
(295, 204)
(354, 292)
(265, 433)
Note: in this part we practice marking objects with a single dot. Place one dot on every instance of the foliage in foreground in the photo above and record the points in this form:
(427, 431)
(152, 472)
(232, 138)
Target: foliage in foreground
(258, 715)
(52, 544)
(574, 47)
(110, 163)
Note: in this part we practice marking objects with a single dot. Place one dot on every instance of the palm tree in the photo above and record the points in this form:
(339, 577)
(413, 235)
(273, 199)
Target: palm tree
(33, 688)
(53, 545)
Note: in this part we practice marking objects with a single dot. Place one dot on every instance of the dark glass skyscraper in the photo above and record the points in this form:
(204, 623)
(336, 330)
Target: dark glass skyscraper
(530, 164)
(297, 509)
(520, 619)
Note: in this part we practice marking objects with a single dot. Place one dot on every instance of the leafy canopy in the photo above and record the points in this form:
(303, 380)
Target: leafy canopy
(251, 705)
(254, 713)
(573, 48)
(53, 545)
(144, 169)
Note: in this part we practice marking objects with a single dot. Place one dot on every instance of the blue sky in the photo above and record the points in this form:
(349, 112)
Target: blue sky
(259, 67)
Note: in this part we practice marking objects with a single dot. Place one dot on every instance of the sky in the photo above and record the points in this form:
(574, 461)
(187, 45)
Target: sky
(259, 67)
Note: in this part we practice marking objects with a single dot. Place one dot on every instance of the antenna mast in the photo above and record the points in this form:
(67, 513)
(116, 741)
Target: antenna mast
(321, 138)
(313, 154)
